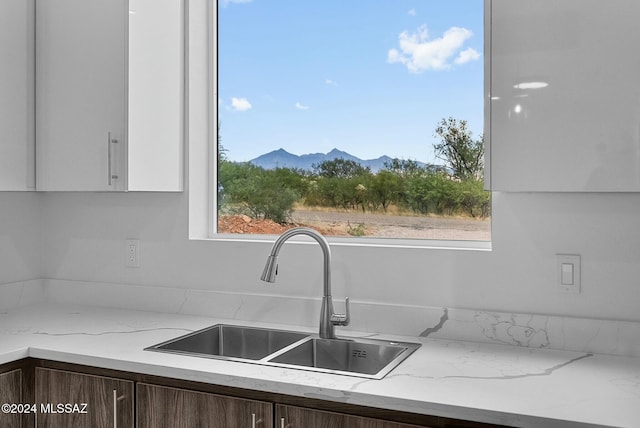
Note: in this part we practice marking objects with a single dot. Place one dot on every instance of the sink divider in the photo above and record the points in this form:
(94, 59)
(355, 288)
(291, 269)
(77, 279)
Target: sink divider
(285, 349)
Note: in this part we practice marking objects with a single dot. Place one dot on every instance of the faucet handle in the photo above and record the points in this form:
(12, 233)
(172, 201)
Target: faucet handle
(342, 319)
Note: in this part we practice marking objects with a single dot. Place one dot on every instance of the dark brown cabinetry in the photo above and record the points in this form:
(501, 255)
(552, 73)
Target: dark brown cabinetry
(300, 417)
(11, 394)
(164, 407)
(120, 399)
(82, 401)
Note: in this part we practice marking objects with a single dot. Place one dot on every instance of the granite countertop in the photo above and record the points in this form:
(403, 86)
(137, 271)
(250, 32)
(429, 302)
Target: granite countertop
(474, 381)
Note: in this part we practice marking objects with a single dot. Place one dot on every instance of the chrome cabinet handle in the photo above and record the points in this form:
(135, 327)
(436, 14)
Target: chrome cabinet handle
(115, 401)
(109, 159)
(115, 407)
(110, 141)
(255, 421)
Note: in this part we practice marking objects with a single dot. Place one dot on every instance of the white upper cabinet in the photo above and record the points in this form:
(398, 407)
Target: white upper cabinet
(109, 98)
(156, 91)
(17, 102)
(564, 95)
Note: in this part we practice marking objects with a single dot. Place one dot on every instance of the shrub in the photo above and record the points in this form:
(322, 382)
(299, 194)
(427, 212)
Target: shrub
(259, 193)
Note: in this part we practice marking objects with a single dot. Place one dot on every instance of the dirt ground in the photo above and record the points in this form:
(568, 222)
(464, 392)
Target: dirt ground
(370, 224)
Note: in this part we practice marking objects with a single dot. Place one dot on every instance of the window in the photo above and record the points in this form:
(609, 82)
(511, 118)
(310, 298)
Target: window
(359, 118)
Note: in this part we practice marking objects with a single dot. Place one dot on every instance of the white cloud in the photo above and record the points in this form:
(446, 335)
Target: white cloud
(240, 104)
(301, 107)
(412, 12)
(420, 53)
(467, 55)
(330, 82)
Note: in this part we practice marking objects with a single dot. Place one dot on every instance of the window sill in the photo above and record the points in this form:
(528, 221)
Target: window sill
(363, 242)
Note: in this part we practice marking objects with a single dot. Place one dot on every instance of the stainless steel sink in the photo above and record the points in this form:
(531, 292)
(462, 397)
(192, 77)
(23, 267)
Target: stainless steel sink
(222, 340)
(371, 358)
(354, 357)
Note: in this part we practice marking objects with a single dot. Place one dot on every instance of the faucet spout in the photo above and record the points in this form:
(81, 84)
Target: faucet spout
(328, 319)
(270, 270)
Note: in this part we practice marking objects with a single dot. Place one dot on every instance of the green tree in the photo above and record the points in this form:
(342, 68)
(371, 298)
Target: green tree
(433, 193)
(386, 188)
(259, 193)
(475, 201)
(341, 183)
(458, 149)
(339, 192)
(340, 168)
(403, 167)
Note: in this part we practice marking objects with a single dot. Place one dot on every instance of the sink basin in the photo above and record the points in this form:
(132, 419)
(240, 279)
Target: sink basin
(222, 340)
(372, 358)
(367, 358)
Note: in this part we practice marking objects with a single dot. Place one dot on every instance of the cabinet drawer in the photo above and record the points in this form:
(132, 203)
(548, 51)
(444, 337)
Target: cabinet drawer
(82, 401)
(165, 407)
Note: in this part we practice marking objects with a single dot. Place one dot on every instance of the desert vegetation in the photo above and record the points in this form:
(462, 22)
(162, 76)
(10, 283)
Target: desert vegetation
(402, 186)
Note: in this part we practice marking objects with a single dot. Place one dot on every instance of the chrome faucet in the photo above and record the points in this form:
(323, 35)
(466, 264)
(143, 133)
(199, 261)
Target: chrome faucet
(328, 319)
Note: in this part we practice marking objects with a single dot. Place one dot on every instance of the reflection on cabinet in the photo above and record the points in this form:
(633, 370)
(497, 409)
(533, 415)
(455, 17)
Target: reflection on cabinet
(109, 107)
(17, 108)
(109, 401)
(11, 393)
(164, 407)
(298, 417)
(564, 95)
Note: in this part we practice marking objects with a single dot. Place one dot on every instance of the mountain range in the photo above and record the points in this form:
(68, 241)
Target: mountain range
(283, 159)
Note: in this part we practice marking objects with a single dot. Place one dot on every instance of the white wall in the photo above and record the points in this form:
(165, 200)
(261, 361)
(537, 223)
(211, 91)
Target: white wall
(84, 238)
(20, 236)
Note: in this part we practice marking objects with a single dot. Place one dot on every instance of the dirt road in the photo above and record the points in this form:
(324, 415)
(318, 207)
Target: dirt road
(398, 226)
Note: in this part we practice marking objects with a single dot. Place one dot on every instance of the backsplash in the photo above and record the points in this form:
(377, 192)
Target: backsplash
(523, 330)
(23, 293)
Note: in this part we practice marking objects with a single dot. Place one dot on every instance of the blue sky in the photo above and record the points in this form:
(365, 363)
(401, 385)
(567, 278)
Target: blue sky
(370, 77)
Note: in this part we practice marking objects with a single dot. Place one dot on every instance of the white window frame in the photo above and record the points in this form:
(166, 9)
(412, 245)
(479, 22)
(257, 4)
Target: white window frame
(202, 153)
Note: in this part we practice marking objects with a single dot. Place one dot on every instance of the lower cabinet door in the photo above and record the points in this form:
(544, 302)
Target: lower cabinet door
(73, 400)
(165, 407)
(299, 417)
(11, 394)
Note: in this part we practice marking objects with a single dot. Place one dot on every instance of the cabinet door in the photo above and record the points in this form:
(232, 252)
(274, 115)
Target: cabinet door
(81, 94)
(155, 95)
(164, 407)
(17, 128)
(62, 396)
(564, 95)
(11, 393)
(298, 417)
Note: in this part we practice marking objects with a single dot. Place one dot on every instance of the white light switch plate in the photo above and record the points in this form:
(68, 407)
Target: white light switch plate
(568, 270)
